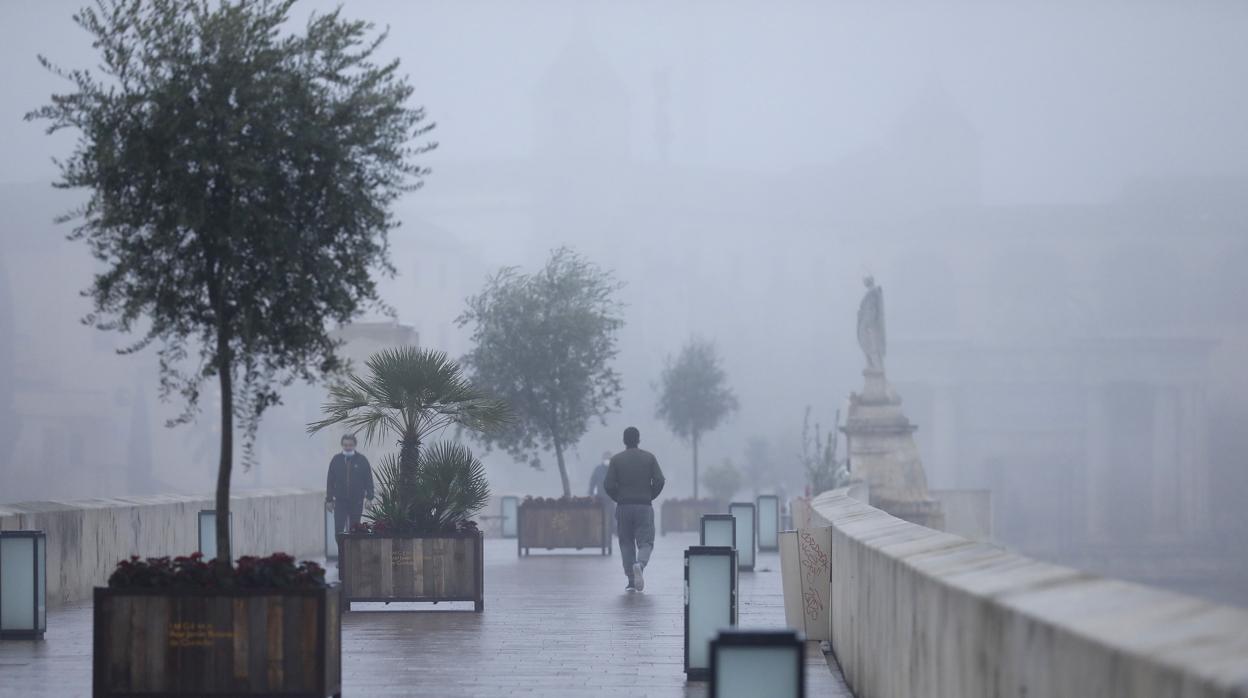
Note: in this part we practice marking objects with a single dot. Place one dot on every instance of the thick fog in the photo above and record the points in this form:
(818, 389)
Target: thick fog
(1053, 195)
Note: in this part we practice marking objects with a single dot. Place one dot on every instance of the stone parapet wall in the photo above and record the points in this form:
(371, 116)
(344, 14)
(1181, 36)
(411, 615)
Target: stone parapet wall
(921, 613)
(87, 537)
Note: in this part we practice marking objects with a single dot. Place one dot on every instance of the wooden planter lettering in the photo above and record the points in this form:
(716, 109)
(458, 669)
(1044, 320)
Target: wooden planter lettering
(686, 514)
(184, 642)
(552, 524)
(414, 568)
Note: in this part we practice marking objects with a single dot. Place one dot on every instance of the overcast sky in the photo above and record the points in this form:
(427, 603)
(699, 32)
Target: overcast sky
(1070, 99)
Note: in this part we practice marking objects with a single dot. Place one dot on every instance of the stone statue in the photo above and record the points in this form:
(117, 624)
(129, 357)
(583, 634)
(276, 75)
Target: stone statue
(871, 325)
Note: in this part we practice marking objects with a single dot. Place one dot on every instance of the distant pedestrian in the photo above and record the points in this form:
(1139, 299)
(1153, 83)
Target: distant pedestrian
(634, 480)
(596, 481)
(349, 483)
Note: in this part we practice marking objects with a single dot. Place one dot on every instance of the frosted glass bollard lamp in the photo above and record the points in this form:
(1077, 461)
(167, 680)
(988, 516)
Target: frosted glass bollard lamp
(747, 533)
(710, 603)
(749, 663)
(768, 508)
(331, 536)
(23, 584)
(208, 533)
(510, 505)
(719, 529)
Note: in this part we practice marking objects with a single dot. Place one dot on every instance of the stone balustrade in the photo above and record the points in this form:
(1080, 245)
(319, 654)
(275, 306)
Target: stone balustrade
(87, 537)
(920, 613)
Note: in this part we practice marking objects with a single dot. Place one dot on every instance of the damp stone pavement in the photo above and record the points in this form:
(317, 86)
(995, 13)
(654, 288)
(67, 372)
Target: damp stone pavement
(555, 624)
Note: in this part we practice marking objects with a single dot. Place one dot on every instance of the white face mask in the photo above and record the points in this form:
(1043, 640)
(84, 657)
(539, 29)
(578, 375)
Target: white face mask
(348, 451)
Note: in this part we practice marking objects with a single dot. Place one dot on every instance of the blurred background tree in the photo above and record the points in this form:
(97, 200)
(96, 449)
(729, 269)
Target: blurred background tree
(723, 480)
(694, 397)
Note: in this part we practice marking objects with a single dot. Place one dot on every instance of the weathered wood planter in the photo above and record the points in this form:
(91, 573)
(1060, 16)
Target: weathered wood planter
(172, 642)
(551, 524)
(413, 568)
(686, 514)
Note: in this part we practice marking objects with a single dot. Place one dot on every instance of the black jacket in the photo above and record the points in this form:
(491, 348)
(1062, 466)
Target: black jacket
(349, 482)
(634, 477)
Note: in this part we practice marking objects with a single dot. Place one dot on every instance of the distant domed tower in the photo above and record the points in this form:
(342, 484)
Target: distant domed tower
(583, 145)
(934, 153)
(582, 107)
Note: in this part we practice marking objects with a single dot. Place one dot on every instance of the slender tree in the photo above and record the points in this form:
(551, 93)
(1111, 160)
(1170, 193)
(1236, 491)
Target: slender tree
(241, 173)
(544, 344)
(693, 395)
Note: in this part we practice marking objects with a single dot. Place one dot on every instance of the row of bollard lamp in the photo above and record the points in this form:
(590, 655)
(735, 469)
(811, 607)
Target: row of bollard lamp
(736, 662)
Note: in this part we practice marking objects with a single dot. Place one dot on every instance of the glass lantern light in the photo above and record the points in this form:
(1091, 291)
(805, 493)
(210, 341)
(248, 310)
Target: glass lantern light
(510, 505)
(23, 584)
(719, 529)
(208, 533)
(768, 522)
(747, 532)
(710, 603)
(331, 536)
(748, 663)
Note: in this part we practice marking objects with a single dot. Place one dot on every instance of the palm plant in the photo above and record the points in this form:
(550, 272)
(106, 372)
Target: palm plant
(411, 394)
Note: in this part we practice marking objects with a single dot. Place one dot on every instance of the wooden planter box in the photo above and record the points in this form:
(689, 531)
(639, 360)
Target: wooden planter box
(686, 514)
(550, 525)
(174, 642)
(379, 567)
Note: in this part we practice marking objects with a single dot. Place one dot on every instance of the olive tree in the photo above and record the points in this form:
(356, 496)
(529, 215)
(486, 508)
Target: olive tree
(544, 345)
(240, 172)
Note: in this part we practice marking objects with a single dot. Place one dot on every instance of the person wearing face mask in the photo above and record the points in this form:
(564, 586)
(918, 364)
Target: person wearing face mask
(349, 483)
(596, 481)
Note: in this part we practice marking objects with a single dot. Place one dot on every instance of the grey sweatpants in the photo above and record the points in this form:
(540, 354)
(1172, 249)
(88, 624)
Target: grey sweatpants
(635, 523)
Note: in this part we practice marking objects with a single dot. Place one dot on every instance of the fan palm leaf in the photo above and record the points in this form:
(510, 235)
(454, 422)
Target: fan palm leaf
(411, 394)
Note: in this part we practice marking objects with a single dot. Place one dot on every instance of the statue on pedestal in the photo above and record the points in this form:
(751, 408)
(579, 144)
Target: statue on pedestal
(871, 336)
(880, 438)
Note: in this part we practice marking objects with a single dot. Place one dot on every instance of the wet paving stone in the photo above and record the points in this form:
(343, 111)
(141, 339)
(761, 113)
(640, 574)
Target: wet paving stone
(555, 624)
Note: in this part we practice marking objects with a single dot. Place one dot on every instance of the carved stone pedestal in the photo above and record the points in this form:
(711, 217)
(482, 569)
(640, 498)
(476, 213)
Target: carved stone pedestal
(883, 453)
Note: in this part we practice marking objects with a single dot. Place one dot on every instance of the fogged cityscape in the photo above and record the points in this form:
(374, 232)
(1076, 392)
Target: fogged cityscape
(1053, 196)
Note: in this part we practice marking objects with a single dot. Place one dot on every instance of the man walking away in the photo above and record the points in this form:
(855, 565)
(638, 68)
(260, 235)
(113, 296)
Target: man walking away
(349, 483)
(633, 481)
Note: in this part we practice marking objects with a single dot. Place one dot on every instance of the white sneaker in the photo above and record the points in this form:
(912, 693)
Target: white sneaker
(639, 582)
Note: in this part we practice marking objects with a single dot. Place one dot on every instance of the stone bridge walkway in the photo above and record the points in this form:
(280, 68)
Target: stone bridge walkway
(554, 625)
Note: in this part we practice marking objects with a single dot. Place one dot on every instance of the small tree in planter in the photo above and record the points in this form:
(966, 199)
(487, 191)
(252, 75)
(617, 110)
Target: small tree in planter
(544, 343)
(241, 178)
(420, 520)
(241, 173)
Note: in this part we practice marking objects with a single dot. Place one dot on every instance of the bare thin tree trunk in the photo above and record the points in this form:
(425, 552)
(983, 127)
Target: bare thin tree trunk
(226, 467)
(695, 465)
(563, 470)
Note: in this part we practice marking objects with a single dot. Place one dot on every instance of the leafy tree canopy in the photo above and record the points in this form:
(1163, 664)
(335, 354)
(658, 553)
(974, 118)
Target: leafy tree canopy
(544, 343)
(240, 174)
(693, 395)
